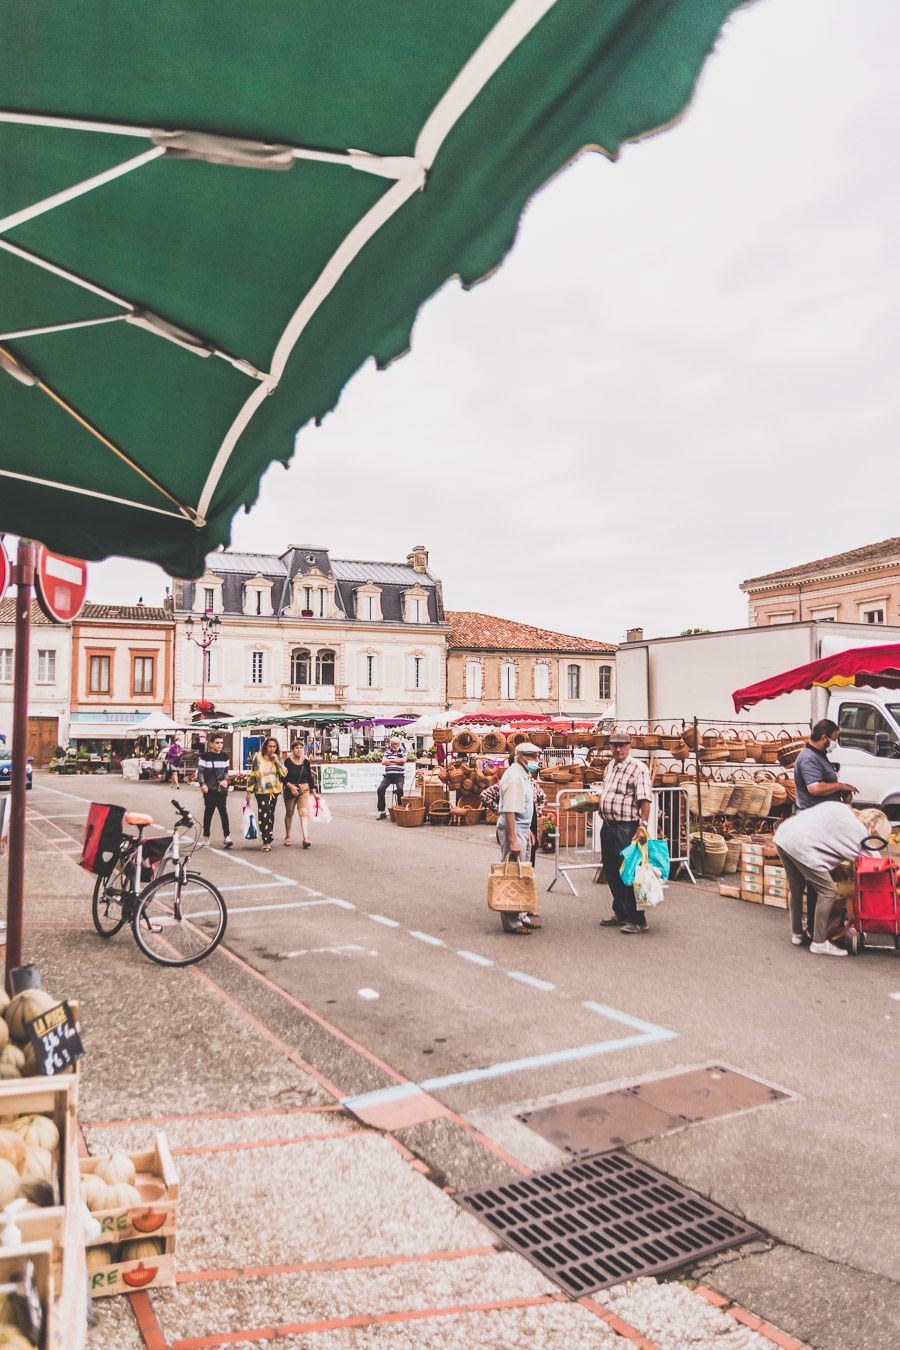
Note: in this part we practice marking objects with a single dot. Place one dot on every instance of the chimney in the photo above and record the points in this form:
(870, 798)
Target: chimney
(418, 559)
(634, 634)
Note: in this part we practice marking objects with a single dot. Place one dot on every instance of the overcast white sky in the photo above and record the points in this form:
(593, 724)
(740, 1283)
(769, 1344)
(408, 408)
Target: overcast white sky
(684, 374)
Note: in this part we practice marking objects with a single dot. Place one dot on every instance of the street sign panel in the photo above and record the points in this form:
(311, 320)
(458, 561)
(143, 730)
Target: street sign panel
(60, 585)
(4, 570)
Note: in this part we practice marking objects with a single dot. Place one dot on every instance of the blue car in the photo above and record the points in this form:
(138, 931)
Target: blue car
(6, 767)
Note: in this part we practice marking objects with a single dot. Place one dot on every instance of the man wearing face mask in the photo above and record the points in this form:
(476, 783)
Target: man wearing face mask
(815, 777)
(515, 813)
(626, 794)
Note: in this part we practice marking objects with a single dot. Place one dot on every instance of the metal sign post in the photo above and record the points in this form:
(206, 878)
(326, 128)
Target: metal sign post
(23, 577)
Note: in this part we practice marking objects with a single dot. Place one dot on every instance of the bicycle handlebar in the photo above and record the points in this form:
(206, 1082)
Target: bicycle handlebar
(186, 817)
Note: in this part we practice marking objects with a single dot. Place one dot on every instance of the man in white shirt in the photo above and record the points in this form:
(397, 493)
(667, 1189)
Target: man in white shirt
(811, 844)
(515, 813)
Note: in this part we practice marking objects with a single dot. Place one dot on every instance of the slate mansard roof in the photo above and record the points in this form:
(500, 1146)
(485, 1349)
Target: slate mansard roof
(393, 578)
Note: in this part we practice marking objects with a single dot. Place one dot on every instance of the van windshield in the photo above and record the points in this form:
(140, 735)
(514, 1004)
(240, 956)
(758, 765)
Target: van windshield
(894, 710)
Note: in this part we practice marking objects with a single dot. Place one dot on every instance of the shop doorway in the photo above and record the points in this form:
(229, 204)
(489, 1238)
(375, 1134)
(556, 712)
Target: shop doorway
(43, 738)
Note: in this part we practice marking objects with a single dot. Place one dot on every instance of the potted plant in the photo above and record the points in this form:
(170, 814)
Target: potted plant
(548, 835)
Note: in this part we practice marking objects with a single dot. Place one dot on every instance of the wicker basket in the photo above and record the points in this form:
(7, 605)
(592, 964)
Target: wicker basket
(766, 748)
(733, 856)
(789, 752)
(737, 749)
(653, 738)
(439, 813)
(516, 738)
(490, 817)
(442, 735)
(539, 738)
(475, 815)
(711, 736)
(409, 816)
(713, 754)
(714, 854)
(493, 743)
(672, 741)
(433, 792)
(467, 742)
(558, 740)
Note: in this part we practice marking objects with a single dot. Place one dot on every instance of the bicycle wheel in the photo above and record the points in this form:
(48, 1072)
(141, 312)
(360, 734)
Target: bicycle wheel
(178, 922)
(108, 910)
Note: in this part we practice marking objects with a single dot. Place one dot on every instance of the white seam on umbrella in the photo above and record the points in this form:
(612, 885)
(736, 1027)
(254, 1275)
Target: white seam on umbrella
(60, 327)
(27, 256)
(485, 61)
(383, 166)
(79, 189)
(90, 492)
(239, 363)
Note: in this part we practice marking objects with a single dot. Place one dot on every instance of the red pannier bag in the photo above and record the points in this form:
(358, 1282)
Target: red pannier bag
(875, 892)
(103, 837)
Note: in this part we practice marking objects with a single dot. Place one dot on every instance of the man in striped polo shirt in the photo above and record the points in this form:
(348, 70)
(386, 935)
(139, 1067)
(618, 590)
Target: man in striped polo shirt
(626, 794)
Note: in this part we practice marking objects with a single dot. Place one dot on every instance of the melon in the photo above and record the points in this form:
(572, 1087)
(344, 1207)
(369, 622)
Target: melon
(30, 1065)
(99, 1256)
(93, 1189)
(13, 1339)
(23, 1009)
(4, 1035)
(8, 1070)
(37, 1191)
(9, 1182)
(13, 1311)
(38, 1132)
(11, 1054)
(120, 1196)
(38, 1163)
(12, 1148)
(140, 1249)
(116, 1167)
(4, 1000)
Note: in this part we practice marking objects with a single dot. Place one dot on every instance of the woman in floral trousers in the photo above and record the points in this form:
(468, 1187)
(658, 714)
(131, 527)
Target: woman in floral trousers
(267, 773)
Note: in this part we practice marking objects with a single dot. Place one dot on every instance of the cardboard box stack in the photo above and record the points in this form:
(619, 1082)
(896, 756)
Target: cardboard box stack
(775, 885)
(752, 872)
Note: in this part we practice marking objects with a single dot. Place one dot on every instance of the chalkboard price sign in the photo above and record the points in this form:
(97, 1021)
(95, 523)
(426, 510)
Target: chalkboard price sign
(55, 1038)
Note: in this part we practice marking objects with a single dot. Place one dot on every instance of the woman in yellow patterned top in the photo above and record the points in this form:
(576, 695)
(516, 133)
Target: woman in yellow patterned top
(264, 781)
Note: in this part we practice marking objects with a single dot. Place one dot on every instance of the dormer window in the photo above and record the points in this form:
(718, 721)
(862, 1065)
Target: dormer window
(313, 597)
(258, 596)
(415, 605)
(368, 603)
(208, 595)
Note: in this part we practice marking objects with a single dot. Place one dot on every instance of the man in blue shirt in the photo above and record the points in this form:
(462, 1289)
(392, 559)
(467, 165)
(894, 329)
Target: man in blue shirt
(815, 777)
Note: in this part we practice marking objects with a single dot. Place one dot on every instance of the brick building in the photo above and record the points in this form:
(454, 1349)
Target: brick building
(495, 662)
(860, 586)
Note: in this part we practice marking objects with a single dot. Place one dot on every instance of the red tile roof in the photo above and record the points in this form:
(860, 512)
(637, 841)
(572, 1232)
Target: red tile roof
(8, 611)
(855, 560)
(484, 632)
(145, 613)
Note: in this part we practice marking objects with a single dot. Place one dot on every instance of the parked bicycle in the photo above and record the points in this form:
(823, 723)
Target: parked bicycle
(179, 917)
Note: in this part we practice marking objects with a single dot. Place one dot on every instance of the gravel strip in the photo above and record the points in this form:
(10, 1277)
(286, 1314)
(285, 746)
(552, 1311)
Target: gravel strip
(674, 1317)
(314, 1201)
(221, 1306)
(549, 1326)
(202, 1133)
(116, 1328)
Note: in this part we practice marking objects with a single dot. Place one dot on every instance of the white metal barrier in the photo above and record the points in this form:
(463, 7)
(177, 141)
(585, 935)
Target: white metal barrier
(673, 824)
(578, 846)
(577, 840)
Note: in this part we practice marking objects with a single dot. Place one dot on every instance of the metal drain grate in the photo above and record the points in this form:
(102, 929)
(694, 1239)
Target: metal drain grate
(602, 1220)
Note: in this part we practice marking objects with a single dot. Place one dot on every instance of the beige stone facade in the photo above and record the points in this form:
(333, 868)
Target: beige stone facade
(494, 662)
(861, 586)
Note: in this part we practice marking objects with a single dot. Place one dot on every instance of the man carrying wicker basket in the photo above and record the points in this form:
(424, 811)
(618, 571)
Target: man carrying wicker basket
(515, 810)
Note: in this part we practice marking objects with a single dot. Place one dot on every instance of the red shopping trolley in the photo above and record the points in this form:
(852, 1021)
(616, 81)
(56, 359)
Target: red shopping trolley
(876, 907)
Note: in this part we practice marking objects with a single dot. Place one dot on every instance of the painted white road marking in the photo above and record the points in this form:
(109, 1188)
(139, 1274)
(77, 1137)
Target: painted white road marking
(345, 948)
(368, 993)
(382, 918)
(426, 937)
(475, 958)
(535, 983)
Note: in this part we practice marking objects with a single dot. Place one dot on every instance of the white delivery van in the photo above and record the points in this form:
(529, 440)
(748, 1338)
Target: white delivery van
(667, 680)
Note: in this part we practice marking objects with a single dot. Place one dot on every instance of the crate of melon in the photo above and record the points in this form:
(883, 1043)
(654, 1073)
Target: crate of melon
(134, 1198)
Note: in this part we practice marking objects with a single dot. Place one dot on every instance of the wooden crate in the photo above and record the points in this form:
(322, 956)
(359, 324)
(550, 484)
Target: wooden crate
(13, 1261)
(56, 1098)
(156, 1216)
(131, 1277)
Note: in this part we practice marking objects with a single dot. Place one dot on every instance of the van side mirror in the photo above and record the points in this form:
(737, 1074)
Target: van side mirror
(885, 745)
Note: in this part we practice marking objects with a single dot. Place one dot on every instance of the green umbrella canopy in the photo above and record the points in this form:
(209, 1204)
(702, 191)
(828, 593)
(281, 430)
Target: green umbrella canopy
(212, 213)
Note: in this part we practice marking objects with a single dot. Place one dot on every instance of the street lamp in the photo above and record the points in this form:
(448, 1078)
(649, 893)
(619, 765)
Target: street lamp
(209, 631)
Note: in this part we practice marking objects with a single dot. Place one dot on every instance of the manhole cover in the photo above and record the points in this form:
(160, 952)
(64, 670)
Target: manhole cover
(602, 1220)
(611, 1119)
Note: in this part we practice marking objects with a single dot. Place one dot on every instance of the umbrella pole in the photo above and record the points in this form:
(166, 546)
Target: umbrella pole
(23, 576)
(699, 798)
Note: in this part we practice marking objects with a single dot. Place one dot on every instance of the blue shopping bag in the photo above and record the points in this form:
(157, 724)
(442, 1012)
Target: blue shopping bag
(655, 852)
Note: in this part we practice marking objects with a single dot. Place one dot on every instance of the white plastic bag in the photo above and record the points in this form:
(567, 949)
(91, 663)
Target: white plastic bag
(648, 886)
(320, 810)
(249, 821)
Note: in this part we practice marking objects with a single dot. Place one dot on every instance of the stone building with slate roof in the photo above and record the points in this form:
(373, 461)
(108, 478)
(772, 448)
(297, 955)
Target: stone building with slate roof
(494, 662)
(302, 630)
(859, 586)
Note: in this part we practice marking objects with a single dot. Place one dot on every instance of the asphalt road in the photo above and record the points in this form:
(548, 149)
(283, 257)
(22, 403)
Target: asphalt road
(385, 932)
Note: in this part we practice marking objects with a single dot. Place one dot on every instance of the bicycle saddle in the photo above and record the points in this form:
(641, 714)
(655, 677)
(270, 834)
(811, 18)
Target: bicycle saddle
(137, 818)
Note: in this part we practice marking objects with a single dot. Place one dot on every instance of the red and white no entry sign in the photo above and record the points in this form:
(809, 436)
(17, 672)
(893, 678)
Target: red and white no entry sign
(61, 585)
(4, 570)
